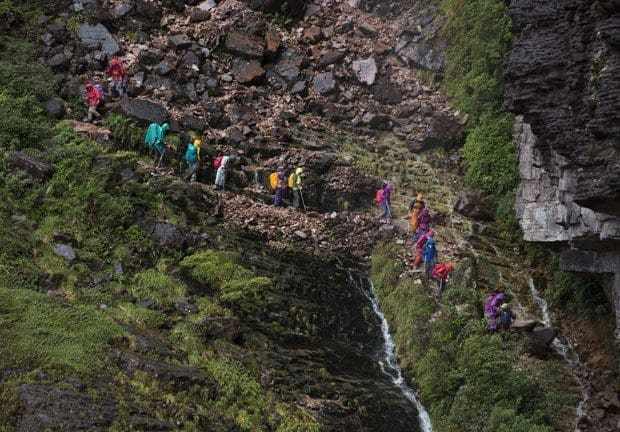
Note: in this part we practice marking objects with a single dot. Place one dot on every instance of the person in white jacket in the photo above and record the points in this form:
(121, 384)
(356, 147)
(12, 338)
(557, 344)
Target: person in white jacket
(220, 177)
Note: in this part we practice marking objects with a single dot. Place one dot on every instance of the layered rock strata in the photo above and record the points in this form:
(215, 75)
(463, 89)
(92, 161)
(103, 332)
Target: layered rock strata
(562, 79)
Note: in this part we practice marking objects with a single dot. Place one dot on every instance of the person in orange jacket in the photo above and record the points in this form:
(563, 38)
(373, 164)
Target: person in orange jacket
(417, 204)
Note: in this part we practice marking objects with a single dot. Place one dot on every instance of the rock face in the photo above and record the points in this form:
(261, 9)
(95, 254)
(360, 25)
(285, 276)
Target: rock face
(35, 167)
(561, 77)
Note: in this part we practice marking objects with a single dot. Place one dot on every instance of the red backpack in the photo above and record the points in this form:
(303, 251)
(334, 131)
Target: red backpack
(218, 162)
(379, 196)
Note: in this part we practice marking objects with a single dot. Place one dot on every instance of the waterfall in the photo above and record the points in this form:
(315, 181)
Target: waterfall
(573, 360)
(389, 363)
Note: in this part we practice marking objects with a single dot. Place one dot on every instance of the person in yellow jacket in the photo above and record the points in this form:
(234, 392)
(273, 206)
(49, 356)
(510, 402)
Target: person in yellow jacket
(298, 199)
(416, 207)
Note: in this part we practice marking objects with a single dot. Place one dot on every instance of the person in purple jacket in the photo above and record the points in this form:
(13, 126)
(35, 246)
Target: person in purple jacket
(491, 308)
(425, 220)
(386, 203)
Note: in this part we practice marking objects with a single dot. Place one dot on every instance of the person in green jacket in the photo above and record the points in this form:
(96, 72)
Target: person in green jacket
(155, 139)
(192, 155)
(297, 187)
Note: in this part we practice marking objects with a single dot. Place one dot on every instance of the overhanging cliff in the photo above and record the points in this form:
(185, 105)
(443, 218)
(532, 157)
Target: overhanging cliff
(562, 78)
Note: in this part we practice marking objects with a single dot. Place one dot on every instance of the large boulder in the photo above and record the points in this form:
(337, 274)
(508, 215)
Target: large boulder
(289, 65)
(365, 70)
(144, 110)
(387, 93)
(168, 236)
(444, 130)
(98, 37)
(324, 83)
(248, 72)
(35, 167)
(245, 45)
(423, 57)
(475, 205)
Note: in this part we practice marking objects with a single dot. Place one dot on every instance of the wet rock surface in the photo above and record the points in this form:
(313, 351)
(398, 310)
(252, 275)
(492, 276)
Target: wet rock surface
(35, 167)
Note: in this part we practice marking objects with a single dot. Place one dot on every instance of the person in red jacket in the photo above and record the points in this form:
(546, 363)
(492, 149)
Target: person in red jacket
(118, 72)
(93, 98)
(441, 273)
(419, 245)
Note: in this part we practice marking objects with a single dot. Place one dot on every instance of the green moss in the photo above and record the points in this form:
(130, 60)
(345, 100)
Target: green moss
(38, 331)
(468, 379)
(151, 284)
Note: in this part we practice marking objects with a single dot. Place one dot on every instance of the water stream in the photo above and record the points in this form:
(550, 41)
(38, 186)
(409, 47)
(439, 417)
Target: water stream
(389, 363)
(572, 360)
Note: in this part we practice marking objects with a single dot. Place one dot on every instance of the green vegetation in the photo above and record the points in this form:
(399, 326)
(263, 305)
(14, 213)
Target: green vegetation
(578, 294)
(67, 319)
(469, 380)
(478, 35)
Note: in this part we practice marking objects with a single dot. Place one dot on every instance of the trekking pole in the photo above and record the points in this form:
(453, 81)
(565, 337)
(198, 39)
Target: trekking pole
(302, 200)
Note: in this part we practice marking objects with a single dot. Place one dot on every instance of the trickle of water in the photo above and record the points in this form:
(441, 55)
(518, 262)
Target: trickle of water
(573, 361)
(389, 363)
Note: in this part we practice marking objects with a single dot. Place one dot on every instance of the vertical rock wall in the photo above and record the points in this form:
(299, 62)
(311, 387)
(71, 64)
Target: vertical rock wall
(563, 79)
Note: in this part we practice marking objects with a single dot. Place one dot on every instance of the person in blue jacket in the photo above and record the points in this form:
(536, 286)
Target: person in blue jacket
(192, 156)
(429, 256)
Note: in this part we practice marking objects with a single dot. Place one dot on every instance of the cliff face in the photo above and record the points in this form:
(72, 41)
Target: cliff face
(562, 79)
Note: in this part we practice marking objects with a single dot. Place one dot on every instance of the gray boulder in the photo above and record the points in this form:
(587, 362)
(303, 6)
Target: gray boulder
(365, 70)
(97, 36)
(64, 251)
(54, 107)
(35, 167)
(144, 110)
(324, 83)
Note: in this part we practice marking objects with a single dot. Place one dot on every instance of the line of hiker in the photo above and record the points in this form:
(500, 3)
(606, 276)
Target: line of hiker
(280, 182)
(94, 93)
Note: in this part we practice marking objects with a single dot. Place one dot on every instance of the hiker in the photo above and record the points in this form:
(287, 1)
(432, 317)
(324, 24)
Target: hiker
(506, 316)
(94, 97)
(430, 256)
(192, 156)
(280, 186)
(440, 274)
(155, 139)
(491, 308)
(419, 245)
(425, 220)
(295, 183)
(118, 73)
(220, 176)
(385, 202)
(416, 207)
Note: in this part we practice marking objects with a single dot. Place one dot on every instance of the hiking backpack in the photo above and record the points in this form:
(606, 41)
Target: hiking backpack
(291, 180)
(379, 196)
(218, 162)
(99, 91)
(273, 180)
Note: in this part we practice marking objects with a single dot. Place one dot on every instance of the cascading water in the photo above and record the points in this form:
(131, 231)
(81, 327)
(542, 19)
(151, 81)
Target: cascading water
(573, 361)
(389, 363)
